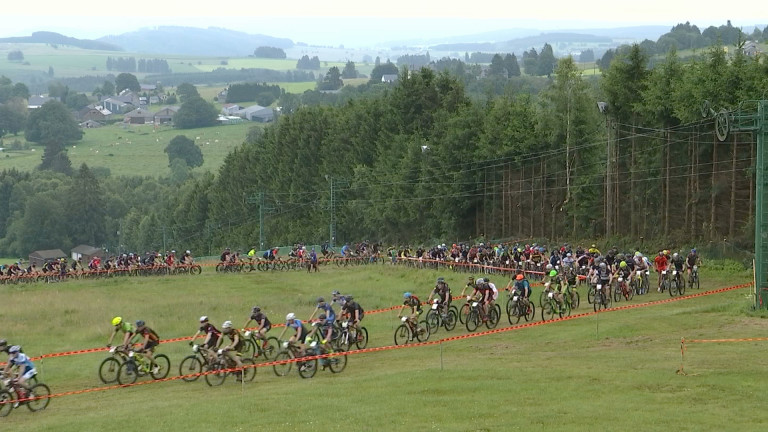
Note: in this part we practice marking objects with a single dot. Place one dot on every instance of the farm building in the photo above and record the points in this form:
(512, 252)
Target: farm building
(38, 258)
(85, 253)
(139, 116)
(166, 114)
(257, 113)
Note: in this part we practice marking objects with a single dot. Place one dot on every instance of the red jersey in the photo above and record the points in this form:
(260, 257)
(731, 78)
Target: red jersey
(661, 262)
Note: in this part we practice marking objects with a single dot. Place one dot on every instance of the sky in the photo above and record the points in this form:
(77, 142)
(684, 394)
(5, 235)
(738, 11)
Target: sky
(331, 22)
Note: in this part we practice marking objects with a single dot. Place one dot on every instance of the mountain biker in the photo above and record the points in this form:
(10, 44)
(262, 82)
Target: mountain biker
(678, 262)
(494, 293)
(236, 342)
(354, 312)
(322, 330)
(225, 255)
(187, 258)
(692, 260)
(521, 288)
(337, 297)
(604, 278)
(300, 331)
(263, 322)
(442, 292)
(26, 369)
(119, 325)
(326, 307)
(623, 271)
(412, 302)
(212, 334)
(150, 341)
(660, 263)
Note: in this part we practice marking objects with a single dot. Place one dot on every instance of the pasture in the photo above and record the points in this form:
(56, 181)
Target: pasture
(118, 147)
(612, 371)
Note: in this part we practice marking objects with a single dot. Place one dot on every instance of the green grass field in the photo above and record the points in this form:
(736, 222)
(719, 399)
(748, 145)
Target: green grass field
(614, 371)
(118, 147)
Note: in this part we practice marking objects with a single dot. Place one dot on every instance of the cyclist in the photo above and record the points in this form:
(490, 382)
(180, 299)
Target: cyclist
(119, 325)
(660, 263)
(412, 302)
(312, 261)
(354, 312)
(521, 288)
(322, 305)
(26, 370)
(494, 293)
(225, 256)
(236, 342)
(443, 292)
(150, 341)
(212, 334)
(4, 346)
(552, 281)
(337, 297)
(264, 325)
(483, 294)
(604, 278)
(623, 271)
(470, 284)
(692, 260)
(345, 250)
(187, 258)
(301, 332)
(322, 330)
(679, 264)
(594, 251)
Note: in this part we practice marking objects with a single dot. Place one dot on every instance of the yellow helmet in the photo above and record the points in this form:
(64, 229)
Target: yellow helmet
(116, 321)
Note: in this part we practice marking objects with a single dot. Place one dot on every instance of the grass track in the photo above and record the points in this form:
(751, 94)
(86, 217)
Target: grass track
(611, 372)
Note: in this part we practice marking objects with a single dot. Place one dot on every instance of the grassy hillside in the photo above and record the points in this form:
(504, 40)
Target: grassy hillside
(118, 148)
(614, 371)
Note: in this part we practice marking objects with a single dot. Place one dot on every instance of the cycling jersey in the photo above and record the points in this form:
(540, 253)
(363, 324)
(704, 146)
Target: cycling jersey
(211, 329)
(692, 259)
(240, 342)
(146, 331)
(661, 262)
(23, 362)
(329, 312)
(351, 307)
(260, 316)
(523, 287)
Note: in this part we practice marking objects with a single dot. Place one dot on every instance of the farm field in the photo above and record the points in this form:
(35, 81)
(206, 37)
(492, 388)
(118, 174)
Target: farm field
(612, 371)
(118, 148)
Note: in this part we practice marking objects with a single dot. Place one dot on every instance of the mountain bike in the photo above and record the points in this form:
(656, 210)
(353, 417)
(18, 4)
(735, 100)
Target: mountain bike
(602, 300)
(110, 366)
(518, 308)
(477, 316)
(290, 351)
(441, 316)
(36, 396)
(193, 365)
(349, 336)
(693, 278)
(222, 366)
(553, 308)
(336, 363)
(138, 366)
(622, 290)
(676, 283)
(408, 331)
(257, 347)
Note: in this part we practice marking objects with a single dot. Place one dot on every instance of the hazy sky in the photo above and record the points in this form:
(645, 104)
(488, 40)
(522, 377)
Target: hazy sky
(363, 22)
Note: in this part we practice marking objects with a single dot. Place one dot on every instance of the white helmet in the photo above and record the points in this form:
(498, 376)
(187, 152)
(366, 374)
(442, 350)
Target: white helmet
(204, 318)
(290, 316)
(227, 325)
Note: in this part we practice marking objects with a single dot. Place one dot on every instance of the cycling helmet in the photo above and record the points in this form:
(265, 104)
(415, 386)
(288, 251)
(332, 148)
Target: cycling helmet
(675, 255)
(204, 318)
(471, 279)
(693, 250)
(226, 325)
(140, 323)
(116, 321)
(661, 253)
(14, 349)
(638, 254)
(623, 264)
(349, 298)
(290, 317)
(568, 254)
(335, 293)
(519, 277)
(602, 265)
(549, 267)
(322, 317)
(441, 280)
(479, 281)
(320, 300)
(3, 342)
(256, 309)
(553, 273)
(407, 295)
(189, 252)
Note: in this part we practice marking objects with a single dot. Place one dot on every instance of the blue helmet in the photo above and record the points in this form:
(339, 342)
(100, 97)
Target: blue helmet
(407, 295)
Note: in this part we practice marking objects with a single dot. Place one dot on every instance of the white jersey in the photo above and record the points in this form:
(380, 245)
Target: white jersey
(495, 291)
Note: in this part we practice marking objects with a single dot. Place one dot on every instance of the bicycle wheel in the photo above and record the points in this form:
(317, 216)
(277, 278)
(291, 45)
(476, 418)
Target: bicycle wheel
(464, 313)
(195, 269)
(422, 331)
(402, 335)
(547, 311)
(362, 338)
(285, 368)
(473, 321)
(630, 294)
(164, 364)
(530, 312)
(512, 310)
(617, 294)
(249, 371)
(39, 394)
(680, 286)
(337, 363)
(127, 373)
(696, 281)
(591, 295)
(216, 376)
(542, 297)
(433, 321)
(493, 317)
(307, 369)
(671, 287)
(190, 365)
(108, 370)
(249, 349)
(220, 267)
(449, 322)
(6, 403)
(575, 300)
(270, 348)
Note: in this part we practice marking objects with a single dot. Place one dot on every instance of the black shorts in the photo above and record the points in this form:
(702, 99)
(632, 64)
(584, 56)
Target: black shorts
(150, 344)
(212, 342)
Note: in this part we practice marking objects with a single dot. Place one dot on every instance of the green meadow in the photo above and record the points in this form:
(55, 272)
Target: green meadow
(608, 372)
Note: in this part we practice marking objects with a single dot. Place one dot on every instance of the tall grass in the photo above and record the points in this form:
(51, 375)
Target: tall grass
(614, 371)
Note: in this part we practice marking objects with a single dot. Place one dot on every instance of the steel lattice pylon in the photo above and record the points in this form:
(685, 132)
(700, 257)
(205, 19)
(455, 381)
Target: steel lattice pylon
(751, 116)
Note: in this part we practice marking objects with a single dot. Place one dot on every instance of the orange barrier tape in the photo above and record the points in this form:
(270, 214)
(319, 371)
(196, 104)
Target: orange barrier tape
(726, 340)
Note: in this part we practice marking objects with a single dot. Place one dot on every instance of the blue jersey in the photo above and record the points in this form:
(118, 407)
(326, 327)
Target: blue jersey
(344, 250)
(22, 361)
(330, 314)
